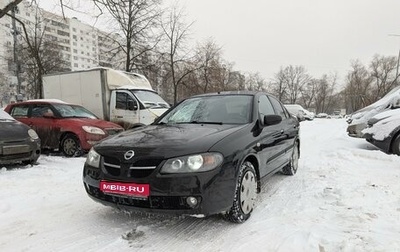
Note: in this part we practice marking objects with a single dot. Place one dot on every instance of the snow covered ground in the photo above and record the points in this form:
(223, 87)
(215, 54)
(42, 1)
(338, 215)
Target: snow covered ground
(345, 197)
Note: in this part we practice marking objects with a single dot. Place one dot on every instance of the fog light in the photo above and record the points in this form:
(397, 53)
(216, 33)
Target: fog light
(191, 201)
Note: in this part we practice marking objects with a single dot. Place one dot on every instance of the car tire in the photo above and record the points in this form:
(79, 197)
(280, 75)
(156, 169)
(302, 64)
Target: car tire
(245, 194)
(71, 146)
(291, 167)
(396, 145)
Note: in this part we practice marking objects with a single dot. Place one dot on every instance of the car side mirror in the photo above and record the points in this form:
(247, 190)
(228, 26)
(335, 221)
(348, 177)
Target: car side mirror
(271, 120)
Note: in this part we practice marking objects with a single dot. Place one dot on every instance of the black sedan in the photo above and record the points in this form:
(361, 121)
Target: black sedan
(18, 142)
(204, 156)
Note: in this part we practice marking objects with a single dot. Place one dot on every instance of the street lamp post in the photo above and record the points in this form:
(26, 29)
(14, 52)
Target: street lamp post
(398, 57)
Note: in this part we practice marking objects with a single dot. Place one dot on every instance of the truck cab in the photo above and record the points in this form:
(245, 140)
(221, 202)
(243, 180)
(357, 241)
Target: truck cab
(131, 108)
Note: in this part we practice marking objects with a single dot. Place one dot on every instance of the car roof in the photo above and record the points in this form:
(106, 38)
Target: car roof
(42, 101)
(242, 92)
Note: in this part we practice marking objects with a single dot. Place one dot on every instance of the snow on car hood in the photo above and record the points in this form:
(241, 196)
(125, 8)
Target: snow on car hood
(382, 129)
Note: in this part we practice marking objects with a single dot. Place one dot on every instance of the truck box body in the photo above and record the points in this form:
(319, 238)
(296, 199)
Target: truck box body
(93, 89)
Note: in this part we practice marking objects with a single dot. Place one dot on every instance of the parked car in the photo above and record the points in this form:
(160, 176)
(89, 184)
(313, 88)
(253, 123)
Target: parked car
(300, 112)
(358, 120)
(63, 126)
(18, 142)
(323, 115)
(383, 131)
(206, 155)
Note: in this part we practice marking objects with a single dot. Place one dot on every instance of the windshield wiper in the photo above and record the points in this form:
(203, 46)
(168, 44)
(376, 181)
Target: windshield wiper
(199, 122)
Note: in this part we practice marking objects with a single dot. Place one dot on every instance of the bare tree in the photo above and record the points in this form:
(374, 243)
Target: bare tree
(176, 34)
(383, 73)
(208, 58)
(39, 55)
(308, 93)
(278, 85)
(357, 86)
(11, 5)
(255, 82)
(289, 82)
(137, 20)
(324, 95)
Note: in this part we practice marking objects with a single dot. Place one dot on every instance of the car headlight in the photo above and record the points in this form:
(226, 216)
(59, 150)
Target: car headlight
(93, 130)
(93, 158)
(32, 134)
(193, 163)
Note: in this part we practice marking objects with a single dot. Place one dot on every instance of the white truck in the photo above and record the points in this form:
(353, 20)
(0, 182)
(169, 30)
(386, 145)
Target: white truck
(121, 97)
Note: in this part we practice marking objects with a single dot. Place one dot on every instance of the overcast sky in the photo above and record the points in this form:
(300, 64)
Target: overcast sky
(322, 35)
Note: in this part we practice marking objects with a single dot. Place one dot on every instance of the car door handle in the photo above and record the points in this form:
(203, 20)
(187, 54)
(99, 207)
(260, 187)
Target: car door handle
(282, 131)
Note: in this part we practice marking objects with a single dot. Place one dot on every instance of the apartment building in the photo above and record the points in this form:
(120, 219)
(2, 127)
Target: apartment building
(81, 45)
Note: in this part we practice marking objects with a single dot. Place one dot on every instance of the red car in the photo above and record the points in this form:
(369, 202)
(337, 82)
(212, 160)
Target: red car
(69, 128)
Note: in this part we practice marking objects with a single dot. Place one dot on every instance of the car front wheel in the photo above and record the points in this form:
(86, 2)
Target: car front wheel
(70, 146)
(245, 194)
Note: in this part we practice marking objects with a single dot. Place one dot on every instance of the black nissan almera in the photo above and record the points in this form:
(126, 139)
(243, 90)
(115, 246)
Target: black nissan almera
(204, 156)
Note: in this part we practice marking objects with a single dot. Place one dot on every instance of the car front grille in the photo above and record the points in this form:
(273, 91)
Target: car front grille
(138, 168)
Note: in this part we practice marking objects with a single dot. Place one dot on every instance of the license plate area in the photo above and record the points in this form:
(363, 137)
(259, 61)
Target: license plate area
(125, 189)
(15, 149)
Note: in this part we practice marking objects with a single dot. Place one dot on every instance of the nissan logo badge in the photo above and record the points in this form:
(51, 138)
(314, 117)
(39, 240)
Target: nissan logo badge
(129, 154)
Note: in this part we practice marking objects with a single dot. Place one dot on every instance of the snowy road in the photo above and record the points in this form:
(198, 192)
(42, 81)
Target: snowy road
(345, 197)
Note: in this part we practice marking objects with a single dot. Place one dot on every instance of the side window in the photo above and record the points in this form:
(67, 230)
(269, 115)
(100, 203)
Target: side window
(41, 111)
(19, 111)
(265, 106)
(278, 108)
(124, 101)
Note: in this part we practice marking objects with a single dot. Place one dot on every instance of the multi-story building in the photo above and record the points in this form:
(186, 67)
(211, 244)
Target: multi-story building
(81, 45)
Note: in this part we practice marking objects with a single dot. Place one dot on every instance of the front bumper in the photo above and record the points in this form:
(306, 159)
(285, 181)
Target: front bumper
(214, 191)
(14, 152)
(354, 130)
(383, 145)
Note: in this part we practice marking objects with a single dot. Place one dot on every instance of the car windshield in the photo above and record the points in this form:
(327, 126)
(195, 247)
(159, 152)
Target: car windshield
(218, 109)
(150, 99)
(67, 110)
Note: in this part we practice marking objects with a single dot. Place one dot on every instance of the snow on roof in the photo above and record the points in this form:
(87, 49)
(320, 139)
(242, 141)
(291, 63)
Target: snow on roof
(47, 100)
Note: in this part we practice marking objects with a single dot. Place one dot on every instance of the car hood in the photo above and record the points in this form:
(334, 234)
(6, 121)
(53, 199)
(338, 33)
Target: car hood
(10, 129)
(94, 122)
(168, 140)
(383, 115)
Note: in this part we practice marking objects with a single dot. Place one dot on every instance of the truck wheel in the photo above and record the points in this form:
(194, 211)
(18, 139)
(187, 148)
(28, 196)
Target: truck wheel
(245, 194)
(70, 146)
